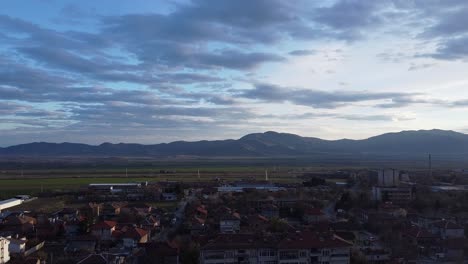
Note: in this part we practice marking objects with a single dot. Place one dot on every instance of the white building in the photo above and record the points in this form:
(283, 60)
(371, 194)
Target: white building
(300, 248)
(388, 177)
(396, 195)
(4, 251)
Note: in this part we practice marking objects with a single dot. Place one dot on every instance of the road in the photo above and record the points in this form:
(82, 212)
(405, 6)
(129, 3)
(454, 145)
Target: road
(179, 216)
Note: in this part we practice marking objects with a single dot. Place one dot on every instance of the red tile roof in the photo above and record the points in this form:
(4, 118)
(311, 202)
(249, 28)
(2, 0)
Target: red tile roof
(105, 225)
(314, 211)
(300, 240)
(308, 239)
(135, 233)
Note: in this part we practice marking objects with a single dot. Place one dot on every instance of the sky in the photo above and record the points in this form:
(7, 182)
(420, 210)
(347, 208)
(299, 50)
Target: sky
(158, 71)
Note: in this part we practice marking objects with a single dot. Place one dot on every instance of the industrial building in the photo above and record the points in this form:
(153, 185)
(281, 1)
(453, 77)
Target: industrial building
(5, 204)
(242, 186)
(114, 187)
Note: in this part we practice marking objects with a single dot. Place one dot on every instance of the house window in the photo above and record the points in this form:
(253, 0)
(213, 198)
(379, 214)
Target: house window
(267, 253)
(284, 255)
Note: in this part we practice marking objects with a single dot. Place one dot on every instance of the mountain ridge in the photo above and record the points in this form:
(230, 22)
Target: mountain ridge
(266, 144)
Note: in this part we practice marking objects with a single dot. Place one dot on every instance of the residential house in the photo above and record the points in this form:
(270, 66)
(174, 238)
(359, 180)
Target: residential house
(151, 222)
(19, 224)
(86, 243)
(48, 228)
(420, 236)
(160, 253)
(314, 215)
(312, 247)
(270, 211)
(447, 229)
(254, 223)
(197, 225)
(17, 246)
(104, 230)
(66, 213)
(112, 209)
(133, 235)
(453, 248)
(239, 248)
(376, 255)
(301, 247)
(229, 223)
(72, 226)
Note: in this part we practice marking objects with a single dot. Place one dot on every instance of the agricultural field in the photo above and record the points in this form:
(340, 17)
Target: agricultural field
(37, 181)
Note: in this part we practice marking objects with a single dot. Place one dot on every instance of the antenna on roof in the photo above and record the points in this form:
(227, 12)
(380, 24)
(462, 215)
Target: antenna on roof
(266, 175)
(198, 173)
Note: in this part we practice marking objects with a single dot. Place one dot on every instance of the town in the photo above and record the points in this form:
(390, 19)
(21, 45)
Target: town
(339, 216)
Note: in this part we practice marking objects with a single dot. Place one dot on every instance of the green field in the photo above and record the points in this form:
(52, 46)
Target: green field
(33, 185)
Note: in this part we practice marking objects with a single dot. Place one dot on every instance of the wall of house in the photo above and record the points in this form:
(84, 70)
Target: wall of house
(277, 256)
(4, 253)
(229, 226)
(103, 234)
(17, 247)
(454, 233)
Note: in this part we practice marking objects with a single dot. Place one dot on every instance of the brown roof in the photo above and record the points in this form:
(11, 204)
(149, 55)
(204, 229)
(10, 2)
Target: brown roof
(135, 233)
(300, 240)
(105, 225)
(314, 211)
(308, 239)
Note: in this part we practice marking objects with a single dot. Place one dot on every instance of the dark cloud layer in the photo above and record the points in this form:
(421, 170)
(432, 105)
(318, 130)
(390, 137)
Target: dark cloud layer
(317, 98)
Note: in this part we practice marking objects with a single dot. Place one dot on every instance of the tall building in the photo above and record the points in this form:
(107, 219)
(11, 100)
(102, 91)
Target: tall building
(388, 177)
(388, 188)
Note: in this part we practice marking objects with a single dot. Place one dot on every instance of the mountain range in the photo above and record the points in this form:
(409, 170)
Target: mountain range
(268, 144)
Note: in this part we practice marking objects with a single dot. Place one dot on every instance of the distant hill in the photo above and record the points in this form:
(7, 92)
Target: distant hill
(268, 144)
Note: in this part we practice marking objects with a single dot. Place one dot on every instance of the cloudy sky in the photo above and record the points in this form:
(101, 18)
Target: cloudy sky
(158, 71)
